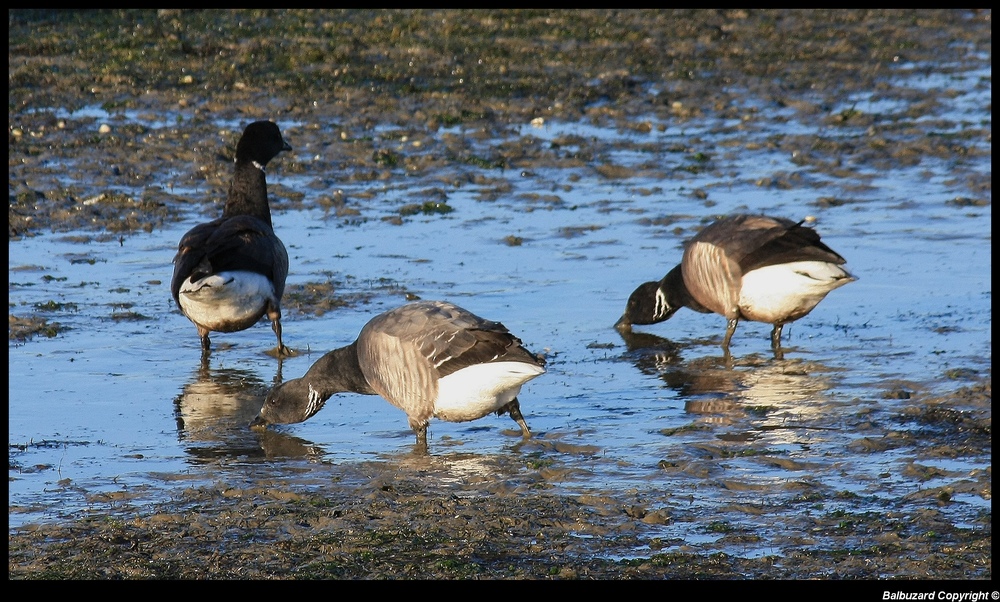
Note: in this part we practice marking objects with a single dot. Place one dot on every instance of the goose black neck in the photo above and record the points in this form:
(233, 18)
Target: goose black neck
(248, 193)
(339, 371)
(677, 292)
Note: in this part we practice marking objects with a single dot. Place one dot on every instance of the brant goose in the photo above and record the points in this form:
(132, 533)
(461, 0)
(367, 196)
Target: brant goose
(750, 267)
(428, 358)
(231, 271)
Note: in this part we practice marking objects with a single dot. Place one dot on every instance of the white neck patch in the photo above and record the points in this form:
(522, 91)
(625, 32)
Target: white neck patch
(661, 307)
(315, 402)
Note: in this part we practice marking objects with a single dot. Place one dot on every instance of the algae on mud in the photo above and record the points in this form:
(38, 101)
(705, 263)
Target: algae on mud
(422, 70)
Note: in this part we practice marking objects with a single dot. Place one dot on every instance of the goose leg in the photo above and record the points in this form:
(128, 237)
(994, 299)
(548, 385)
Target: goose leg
(421, 432)
(275, 316)
(776, 336)
(730, 329)
(206, 343)
(514, 409)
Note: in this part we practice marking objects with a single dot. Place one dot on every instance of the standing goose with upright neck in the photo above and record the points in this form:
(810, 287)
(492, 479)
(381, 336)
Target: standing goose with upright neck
(230, 272)
(431, 359)
(749, 267)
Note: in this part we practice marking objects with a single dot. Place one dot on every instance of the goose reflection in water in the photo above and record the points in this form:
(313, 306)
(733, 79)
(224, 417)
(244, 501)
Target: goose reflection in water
(212, 412)
(774, 395)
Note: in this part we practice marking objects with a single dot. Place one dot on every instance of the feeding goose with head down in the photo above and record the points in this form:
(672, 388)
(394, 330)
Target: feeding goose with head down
(744, 267)
(431, 359)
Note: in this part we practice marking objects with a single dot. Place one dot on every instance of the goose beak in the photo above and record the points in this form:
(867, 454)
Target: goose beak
(258, 423)
(623, 324)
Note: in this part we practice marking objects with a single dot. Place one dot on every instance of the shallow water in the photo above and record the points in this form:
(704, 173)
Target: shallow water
(121, 404)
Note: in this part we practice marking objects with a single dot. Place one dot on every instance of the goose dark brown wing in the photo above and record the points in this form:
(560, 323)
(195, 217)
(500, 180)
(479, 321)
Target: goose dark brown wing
(796, 243)
(236, 243)
(457, 339)
(191, 258)
(738, 236)
(756, 241)
(451, 338)
(471, 347)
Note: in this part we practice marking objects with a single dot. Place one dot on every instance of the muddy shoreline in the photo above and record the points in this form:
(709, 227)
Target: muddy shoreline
(400, 531)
